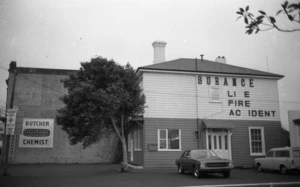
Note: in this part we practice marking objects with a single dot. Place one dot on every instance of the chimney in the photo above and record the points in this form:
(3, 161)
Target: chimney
(221, 59)
(159, 51)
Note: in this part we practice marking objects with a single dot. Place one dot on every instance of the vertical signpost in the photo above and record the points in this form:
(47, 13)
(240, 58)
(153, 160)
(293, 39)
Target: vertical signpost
(9, 121)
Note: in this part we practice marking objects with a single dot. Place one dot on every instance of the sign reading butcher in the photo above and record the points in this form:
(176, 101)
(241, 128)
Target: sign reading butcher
(37, 133)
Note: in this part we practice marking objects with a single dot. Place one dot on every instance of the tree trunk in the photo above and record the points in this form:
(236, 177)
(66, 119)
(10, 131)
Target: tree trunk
(121, 136)
(125, 160)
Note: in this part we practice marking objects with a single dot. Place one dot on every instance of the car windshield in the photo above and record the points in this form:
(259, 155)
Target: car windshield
(203, 154)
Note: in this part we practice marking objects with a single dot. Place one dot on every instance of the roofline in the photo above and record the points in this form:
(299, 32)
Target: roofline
(206, 73)
(46, 71)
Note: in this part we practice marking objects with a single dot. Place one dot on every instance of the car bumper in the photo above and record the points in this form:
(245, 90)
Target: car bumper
(215, 170)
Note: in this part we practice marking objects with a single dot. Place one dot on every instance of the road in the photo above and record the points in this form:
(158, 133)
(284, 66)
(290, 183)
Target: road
(106, 175)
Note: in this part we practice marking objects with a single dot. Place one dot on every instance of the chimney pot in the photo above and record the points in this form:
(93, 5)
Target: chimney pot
(221, 59)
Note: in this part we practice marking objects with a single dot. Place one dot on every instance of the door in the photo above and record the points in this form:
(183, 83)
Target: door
(219, 142)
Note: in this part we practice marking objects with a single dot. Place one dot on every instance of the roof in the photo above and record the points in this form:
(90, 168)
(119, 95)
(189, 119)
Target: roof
(205, 66)
(27, 70)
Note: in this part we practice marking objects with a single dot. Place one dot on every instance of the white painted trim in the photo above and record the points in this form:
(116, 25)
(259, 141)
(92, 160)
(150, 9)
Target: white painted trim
(158, 141)
(229, 134)
(211, 74)
(263, 141)
(220, 100)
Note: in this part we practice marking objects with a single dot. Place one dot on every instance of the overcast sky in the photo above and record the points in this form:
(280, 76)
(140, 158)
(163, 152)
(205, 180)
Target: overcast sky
(62, 33)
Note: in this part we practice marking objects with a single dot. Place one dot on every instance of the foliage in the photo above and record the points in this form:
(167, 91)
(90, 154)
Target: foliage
(264, 22)
(102, 98)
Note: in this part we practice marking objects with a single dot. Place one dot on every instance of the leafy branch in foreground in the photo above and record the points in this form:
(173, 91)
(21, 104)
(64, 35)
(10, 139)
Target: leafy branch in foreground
(264, 22)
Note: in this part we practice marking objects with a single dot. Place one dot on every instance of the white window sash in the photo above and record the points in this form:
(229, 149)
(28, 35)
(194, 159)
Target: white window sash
(214, 90)
(263, 153)
(137, 138)
(166, 140)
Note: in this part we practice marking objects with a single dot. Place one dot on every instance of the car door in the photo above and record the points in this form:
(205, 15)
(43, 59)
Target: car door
(189, 162)
(183, 160)
(296, 157)
(268, 161)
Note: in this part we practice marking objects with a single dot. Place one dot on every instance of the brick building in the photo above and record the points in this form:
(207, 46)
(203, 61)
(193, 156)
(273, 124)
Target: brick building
(35, 92)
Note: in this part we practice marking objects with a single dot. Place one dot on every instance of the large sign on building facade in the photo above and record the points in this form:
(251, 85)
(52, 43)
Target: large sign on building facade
(37, 133)
(241, 98)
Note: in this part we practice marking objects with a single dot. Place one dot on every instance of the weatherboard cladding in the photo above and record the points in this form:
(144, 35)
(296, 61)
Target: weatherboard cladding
(171, 95)
(206, 66)
(239, 140)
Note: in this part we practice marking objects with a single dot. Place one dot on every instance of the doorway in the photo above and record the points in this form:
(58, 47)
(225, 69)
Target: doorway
(219, 140)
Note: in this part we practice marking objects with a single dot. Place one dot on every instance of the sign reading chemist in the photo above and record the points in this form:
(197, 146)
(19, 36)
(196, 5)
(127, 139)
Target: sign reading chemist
(37, 133)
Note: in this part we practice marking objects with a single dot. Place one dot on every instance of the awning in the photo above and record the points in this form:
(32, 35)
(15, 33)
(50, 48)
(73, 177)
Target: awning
(216, 124)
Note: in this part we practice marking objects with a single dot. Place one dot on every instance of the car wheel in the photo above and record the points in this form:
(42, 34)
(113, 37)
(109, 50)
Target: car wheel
(259, 168)
(226, 174)
(180, 170)
(283, 170)
(196, 172)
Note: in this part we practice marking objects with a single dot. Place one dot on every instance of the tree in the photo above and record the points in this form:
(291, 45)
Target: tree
(102, 99)
(264, 22)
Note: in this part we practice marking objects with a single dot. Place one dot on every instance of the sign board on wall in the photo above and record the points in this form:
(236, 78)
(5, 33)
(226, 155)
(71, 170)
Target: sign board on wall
(1, 127)
(240, 97)
(11, 121)
(37, 133)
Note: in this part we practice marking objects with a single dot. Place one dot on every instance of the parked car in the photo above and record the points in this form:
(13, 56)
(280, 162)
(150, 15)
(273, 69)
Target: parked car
(203, 161)
(280, 159)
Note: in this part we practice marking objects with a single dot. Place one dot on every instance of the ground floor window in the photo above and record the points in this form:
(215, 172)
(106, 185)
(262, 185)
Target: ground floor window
(138, 140)
(169, 139)
(256, 141)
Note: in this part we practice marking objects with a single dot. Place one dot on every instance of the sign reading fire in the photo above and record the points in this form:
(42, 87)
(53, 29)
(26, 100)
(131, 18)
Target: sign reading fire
(37, 133)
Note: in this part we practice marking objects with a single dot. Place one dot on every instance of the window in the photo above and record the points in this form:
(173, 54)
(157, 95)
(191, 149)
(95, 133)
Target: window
(270, 154)
(296, 153)
(129, 141)
(226, 142)
(138, 140)
(214, 94)
(282, 154)
(209, 142)
(215, 142)
(256, 141)
(169, 139)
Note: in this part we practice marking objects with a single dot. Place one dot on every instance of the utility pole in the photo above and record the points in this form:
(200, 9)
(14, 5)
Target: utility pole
(4, 145)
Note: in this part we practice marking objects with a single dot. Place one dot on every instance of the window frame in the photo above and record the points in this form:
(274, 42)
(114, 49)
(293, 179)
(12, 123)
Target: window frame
(210, 94)
(166, 139)
(137, 140)
(263, 146)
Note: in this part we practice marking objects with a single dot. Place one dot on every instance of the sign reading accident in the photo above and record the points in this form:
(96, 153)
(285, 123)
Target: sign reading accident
(37, 133)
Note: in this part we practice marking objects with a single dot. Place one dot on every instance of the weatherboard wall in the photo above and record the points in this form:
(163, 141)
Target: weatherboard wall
(166, 159)
(175, 95)
(273, 133)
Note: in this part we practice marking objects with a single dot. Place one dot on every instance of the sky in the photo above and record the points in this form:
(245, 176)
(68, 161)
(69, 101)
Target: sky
(60, 34)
